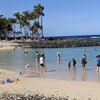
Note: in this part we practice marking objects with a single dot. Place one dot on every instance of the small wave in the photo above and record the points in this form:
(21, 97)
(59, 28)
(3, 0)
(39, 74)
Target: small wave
(94, 37)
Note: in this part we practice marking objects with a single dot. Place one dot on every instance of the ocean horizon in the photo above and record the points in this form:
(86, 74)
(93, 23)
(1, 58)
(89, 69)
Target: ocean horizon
(94, 36)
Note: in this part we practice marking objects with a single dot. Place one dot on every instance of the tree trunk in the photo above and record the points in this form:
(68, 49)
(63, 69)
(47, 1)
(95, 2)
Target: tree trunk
(42, 27)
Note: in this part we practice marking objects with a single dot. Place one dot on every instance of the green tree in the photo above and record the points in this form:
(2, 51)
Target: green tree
(19, 21)
(38, 11)
(12, 22)
(5, 27)
(26, 24)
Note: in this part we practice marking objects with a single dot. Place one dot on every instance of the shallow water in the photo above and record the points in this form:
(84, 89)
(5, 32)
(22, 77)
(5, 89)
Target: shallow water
(16, 60)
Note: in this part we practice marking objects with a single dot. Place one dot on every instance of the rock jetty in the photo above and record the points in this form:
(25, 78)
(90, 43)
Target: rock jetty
(59, 43)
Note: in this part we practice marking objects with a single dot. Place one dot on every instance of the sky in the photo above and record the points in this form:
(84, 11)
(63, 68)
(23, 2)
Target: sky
(62, 17)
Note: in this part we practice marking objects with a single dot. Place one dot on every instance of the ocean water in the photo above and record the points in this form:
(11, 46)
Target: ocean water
(16, 60)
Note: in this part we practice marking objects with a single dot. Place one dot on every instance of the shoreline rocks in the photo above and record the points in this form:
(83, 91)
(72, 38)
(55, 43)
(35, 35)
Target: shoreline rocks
(13, 96)
(59, 43)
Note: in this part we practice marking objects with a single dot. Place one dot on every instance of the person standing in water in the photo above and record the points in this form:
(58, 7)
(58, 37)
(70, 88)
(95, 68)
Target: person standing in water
(69, 64)
(37, 56)
(42, 63)
(98, 63)
(74, 62)
(58, 57)
(25, 50)
(84, 52)
(84, 62)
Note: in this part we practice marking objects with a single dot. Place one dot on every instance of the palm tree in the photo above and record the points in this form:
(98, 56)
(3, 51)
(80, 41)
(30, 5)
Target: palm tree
(19, 20)
(42, 14)
(30, 20)
(25, 19)
(34, 29)
(39, 12)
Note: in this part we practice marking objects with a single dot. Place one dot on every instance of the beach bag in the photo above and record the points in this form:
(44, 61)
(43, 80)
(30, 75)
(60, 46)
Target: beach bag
(2, 82)
(8, 80)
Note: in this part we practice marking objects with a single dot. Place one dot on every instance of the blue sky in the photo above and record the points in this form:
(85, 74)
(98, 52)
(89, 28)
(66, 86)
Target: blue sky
(62, 17)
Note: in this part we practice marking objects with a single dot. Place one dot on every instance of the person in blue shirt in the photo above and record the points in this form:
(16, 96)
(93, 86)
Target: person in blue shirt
(98, 63)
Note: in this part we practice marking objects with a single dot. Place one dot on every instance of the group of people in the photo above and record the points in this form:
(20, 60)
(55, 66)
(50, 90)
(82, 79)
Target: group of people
(41, 60)
(83, 63)
(73, 62)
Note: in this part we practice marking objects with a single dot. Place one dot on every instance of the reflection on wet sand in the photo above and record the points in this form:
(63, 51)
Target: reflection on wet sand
(72, 73)
(32, 73)
(98, 76)
(36, 63)
(84, 75)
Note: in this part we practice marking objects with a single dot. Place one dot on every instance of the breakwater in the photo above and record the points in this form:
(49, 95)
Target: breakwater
(59, 43)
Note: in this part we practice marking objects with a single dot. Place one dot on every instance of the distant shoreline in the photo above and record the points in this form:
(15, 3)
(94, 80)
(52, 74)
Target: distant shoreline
(46, 43)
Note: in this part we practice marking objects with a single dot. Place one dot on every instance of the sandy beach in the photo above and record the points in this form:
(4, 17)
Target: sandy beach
(73, 90)
(50, 50)
(5, 45)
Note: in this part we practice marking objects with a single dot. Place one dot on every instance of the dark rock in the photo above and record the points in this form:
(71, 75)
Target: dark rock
(59, 43)
(11, 96)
